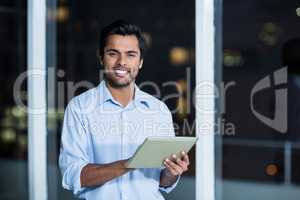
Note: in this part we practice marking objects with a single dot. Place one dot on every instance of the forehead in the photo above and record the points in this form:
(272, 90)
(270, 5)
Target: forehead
(120, 42)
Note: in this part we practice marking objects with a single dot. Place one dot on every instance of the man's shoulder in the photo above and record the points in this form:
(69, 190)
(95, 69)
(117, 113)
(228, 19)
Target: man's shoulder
(85, 100)
(153, 101)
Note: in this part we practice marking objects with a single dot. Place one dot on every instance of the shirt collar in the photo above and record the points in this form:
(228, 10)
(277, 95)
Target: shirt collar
(140, 98)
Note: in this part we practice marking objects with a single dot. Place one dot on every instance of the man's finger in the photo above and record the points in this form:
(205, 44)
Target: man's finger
(182, 164)
(171, 170)
(176, 167)
(185, 157)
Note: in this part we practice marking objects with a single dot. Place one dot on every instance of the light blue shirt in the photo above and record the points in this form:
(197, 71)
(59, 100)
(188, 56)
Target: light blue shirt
(97, 129)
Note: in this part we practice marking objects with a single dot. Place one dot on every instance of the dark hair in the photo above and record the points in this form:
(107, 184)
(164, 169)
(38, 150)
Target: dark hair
(290, 55)
(121, 27)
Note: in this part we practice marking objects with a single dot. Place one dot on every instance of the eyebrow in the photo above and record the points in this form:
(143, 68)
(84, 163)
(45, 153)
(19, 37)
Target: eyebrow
(115, 50)
(135, 52)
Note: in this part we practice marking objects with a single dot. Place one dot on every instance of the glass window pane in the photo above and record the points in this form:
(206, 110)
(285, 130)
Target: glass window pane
(260, 104)
(13, 116)
(167, 73)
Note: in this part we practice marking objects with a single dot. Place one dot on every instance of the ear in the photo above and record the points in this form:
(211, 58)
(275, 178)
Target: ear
(141, 64)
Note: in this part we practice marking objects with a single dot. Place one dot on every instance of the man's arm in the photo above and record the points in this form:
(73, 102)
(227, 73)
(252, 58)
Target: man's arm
(98, 174)
(174, 168)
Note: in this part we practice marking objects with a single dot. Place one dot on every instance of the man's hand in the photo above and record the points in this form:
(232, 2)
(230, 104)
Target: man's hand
(176, 166)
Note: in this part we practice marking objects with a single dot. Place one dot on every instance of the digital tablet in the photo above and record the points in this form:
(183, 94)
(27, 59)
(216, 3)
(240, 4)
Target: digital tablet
(155, 150)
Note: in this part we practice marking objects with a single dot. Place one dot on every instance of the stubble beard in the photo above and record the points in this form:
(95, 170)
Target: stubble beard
(109, 78)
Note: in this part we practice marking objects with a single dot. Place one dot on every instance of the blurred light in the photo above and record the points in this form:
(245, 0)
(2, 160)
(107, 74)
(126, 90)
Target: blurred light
(232, 58)
(22, 141)
(18, 111)
(7, 122)
(62, 14)
(182, 103)
(60, 114)
(8, 135)
(8, 119)
(269, 34)
(148, 39)
(51, 113)
(54, 116)
(182, 108)
(22, 122)
(179, 55)
(51, 120)
(298, 12)
(182, 85)
(272, 169)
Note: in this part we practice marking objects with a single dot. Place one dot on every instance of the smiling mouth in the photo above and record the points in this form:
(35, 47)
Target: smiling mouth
(120, 72)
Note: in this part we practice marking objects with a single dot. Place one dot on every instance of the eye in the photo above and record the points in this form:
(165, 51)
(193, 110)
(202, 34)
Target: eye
(112, 54)
(132, 55)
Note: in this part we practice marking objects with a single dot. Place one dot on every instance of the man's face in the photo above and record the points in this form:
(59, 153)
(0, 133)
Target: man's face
(121, 60)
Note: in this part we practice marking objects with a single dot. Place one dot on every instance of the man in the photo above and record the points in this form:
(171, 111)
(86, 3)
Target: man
(104, 126)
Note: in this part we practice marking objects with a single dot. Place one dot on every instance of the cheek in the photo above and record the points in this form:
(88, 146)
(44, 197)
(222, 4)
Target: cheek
(109, 60)
(135, 69)
(136, 65)
(109, 63)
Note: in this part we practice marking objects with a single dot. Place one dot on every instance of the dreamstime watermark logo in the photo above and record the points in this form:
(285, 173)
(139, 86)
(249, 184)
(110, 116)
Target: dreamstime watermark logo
(279, 122)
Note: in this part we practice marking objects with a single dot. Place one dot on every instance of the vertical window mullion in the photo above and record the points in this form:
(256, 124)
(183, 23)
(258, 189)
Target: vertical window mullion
(36, 83)
(205, 101)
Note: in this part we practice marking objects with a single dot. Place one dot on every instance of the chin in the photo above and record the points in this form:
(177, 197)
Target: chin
(118, 84)
(114, 82)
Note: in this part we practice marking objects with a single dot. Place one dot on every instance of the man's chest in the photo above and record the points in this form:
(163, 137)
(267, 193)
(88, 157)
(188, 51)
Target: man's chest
(117, 135)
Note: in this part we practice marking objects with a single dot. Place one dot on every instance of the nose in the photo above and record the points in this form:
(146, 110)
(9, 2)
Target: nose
(122, 60)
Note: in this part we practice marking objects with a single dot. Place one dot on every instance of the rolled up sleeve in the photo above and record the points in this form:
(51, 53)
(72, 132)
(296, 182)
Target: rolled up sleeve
(74, 150)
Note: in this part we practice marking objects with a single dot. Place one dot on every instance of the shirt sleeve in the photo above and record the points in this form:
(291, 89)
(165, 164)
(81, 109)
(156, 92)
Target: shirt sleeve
(74, 150)
(171, 187)
(170, 132)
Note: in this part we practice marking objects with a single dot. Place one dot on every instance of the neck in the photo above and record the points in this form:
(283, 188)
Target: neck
(123, 94)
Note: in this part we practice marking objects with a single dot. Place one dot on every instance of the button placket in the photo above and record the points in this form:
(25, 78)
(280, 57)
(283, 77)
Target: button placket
(123, 152)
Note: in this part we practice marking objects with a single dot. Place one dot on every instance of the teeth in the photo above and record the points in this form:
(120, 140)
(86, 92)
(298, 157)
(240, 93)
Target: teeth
(120, 72)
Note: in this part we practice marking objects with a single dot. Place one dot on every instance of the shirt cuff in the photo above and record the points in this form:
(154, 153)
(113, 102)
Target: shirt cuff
(74, 177)
(171, 187)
